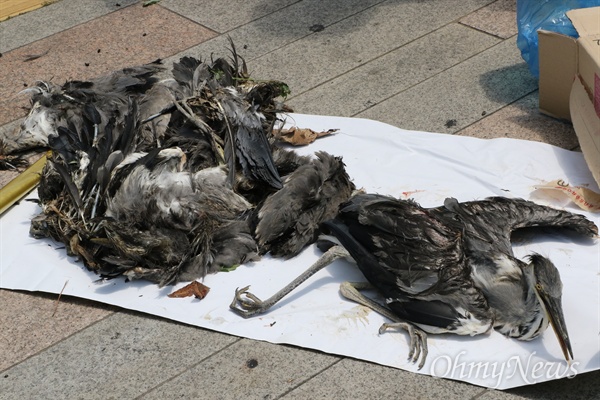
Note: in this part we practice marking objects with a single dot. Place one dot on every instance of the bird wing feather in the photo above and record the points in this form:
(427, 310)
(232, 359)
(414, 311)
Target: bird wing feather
(409, 244)
(290, 218)
(488, 223)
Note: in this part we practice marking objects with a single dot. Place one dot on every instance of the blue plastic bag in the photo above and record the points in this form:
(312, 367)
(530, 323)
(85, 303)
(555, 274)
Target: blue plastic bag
(548, 15)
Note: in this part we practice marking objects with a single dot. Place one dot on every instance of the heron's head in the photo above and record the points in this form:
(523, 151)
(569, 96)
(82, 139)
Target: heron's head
(36, 127)
(41, 120)
(548, 288)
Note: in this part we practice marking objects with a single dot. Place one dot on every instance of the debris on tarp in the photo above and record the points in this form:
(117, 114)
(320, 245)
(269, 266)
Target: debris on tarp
(582, 196)
(300, 136)
(194, 288)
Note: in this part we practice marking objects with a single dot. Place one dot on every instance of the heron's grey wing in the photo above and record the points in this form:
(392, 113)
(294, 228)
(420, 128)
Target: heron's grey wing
(406, 240)
(131, 81)
(250, 144)
(415, 261)
(191, 74)
(290, 218)
(489, 223)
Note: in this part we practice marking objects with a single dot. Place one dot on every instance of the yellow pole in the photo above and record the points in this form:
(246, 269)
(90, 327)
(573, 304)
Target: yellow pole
(16, 189)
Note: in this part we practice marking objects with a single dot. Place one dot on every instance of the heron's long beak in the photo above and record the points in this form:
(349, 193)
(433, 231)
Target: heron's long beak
(557, 320)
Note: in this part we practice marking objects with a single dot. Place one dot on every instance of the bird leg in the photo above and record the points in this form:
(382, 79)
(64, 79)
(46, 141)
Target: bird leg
(245, 304)
(418, 338)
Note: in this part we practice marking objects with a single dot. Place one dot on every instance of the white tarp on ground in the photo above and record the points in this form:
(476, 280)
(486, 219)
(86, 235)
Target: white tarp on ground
(383, 159)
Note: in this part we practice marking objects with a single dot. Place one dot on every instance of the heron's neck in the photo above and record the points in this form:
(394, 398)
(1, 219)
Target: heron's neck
(508, 285)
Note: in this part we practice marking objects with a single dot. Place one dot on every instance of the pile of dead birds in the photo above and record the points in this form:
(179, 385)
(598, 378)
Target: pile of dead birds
(171, 179)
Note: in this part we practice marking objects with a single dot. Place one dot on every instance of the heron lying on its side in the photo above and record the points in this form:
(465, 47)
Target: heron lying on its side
(446, 269)
(54, 106)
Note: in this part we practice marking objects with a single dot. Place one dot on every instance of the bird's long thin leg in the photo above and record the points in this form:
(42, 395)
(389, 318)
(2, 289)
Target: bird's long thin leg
(246, 304)
(418, 338)
(350, 290)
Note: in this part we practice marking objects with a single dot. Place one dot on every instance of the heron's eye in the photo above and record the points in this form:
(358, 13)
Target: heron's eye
(538, 287)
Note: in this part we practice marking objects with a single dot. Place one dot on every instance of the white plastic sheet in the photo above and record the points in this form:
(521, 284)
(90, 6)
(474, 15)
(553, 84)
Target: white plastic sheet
(425, 166)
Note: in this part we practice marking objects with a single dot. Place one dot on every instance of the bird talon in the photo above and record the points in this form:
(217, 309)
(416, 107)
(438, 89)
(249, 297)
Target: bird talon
(417, 341)
(383, 328)
(239, 292)
(246, 304)
(423, 342)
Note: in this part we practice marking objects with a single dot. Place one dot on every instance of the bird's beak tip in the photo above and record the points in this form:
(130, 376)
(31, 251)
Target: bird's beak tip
(557, 320)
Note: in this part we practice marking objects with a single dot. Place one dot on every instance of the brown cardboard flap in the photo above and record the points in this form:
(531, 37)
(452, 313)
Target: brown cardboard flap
(558, 67)
(587, 23)
(570, 80)
(585, 20)
(589, 56)
(587, 127)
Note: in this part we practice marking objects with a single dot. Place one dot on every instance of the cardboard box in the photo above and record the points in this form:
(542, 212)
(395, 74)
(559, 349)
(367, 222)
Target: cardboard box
(570, 80)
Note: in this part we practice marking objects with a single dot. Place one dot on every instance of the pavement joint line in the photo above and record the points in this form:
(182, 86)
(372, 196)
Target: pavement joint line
(298, 38)
(429, 78)
(64, 338)
(226, 32)
(259, 18)
(480, 30)
(310, 377)
(479, 9)
(191, 365)
(480, 394)
(500, 41)
(70, 27)
(494, 112)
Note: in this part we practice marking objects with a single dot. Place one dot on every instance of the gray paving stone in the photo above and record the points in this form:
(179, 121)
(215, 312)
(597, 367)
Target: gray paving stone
(585, 386)
(122, 356)
(217, 15)
(460, 95)
(275, 30)
(282, 46)
(523, 120)
(38, 321)
(499, 19)
(317, 58)
(353, 379)
(53, 18)
(247, 369)
(395, 71)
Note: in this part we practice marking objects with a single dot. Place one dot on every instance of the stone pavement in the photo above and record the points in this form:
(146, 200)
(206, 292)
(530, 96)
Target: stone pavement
(441, 66)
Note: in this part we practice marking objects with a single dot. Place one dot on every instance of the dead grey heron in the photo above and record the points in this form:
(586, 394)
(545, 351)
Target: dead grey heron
(446, 269)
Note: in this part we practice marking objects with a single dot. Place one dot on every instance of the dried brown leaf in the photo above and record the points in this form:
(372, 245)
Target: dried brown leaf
(194, 288)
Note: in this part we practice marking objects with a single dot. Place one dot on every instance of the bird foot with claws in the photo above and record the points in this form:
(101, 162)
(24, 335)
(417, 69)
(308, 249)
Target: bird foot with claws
(245, 304)
(418, 340)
